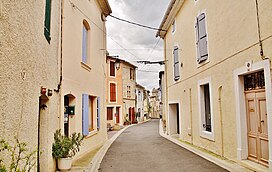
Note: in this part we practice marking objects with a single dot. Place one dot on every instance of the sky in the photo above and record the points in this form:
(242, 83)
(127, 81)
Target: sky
(133, 43)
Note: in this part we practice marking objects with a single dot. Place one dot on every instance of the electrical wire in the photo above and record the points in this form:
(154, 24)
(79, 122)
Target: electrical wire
(76, 7)
(137, 24)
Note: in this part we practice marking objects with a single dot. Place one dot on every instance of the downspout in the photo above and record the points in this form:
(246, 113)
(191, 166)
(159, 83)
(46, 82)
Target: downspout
(191, 116)
(166, 88)
(221, 121)
(259, 31)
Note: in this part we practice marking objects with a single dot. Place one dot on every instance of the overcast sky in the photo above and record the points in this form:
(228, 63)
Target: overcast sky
(137, 43)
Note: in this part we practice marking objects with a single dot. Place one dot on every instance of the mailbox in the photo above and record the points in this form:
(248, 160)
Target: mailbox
(71, 110)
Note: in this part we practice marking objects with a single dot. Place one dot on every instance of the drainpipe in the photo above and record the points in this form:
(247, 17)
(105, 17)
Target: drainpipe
(259, 31)
(191, 116)
(221, 122)
(166, 88)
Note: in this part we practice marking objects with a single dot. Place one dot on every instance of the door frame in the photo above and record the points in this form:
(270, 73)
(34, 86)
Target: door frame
(178, 117)
(241, 121)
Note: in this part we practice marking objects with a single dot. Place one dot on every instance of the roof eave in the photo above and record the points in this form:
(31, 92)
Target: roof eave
(105, 6)
(168, 17)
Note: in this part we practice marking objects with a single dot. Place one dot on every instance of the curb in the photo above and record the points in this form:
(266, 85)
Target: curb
(97, 159)
(226, 164)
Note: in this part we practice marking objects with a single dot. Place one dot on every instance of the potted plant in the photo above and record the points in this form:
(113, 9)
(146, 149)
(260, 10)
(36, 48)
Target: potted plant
(64, 148)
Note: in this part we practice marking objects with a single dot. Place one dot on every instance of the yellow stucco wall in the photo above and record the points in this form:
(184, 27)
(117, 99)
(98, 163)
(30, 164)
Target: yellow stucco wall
(79, 78)
(232, 41)
(27, 62)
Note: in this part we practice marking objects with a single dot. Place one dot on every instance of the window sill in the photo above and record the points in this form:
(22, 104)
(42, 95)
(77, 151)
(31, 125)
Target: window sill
(203, 63)
(91, 133)
(85, 66)
(207, 135)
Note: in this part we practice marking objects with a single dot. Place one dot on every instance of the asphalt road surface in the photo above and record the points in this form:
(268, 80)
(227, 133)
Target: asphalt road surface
(141, 149)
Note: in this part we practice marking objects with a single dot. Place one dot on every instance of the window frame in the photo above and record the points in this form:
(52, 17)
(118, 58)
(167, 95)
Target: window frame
(201, 103)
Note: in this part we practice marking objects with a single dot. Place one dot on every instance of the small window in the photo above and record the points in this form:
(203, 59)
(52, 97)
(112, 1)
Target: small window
(128, 92)
(112, 92)
(112, 68)
(201, 38)
(85, 41)
(91, 113)
(47, 21)
(176, 64)
(109, 113)
(174, 26)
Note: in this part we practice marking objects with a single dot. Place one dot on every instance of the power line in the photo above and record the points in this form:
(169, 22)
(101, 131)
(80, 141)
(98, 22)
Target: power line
(137, 24)
(74, 6)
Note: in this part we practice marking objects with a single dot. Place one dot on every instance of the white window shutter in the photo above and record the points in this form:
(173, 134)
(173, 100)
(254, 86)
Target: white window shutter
(176, 64)
(202, 47)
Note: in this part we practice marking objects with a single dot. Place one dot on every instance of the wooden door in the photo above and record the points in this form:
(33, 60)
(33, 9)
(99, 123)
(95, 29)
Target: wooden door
(117, 115)
(257, 127)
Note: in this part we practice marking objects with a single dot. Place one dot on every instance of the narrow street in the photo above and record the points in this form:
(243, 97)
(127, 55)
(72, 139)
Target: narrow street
(141, 148)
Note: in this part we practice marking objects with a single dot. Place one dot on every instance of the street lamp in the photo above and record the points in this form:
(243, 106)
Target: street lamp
(117, 64)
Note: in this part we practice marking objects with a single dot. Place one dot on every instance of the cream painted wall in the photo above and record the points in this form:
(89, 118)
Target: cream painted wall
(79, 78)
(232, 41)
(27, 63)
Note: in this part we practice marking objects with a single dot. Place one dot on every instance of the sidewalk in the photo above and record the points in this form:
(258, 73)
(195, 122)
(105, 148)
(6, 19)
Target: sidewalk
(222, 162)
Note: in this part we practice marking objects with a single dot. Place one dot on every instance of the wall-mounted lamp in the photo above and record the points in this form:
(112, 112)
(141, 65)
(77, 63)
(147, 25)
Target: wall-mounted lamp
(117, 64)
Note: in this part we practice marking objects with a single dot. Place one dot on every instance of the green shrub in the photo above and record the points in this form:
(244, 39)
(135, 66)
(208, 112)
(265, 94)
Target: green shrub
(64, 146)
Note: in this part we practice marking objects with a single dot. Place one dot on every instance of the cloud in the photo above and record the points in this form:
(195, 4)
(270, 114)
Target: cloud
(137, 43)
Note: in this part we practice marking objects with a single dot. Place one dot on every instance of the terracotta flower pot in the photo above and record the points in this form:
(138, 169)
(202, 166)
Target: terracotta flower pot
(64, 163)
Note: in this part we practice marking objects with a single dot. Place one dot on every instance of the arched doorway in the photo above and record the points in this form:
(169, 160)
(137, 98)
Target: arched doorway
(69, 111)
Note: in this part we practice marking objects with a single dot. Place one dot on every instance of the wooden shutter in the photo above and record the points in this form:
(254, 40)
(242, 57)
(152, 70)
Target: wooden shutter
(112, 68)
(109, 113)
(112, 92)
(98, 113)
(201, 33)
(47, 21)
(176, 64)
(85, 114)
(84, 44)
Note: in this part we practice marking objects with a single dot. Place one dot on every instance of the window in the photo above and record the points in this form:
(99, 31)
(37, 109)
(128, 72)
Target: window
(88, 110)
(112, 92)
(201, 38)
(47, 21)
(174, 26)
(109, 113)
(112, 68)
(128, 92)
(85, 41)
(205, 109)
(131, 74)
(176, 64)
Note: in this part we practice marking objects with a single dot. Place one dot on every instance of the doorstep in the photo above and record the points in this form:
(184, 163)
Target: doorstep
(222, 162)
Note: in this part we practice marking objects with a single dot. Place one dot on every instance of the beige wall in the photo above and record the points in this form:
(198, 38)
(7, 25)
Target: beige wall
(232, 41)
(79, 78)
(27, 62)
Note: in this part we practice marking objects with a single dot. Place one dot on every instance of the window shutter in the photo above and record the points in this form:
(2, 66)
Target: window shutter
(176, 64)
(112, 69)
(202, 38)
(98, 113)
(47, 21)
(85, 114)
(84, 44)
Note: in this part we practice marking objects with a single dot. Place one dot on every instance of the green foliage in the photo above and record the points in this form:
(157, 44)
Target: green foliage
(18, 157)
(64, 146)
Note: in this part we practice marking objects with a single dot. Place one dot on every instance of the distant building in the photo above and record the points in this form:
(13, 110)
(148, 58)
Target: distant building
(147, 107)
(218, 77)
(155, 103)
(140, 102)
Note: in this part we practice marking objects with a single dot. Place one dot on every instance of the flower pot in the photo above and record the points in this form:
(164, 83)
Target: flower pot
(64, 163)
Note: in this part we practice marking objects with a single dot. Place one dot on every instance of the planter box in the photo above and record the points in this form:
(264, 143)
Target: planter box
(64, 163)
